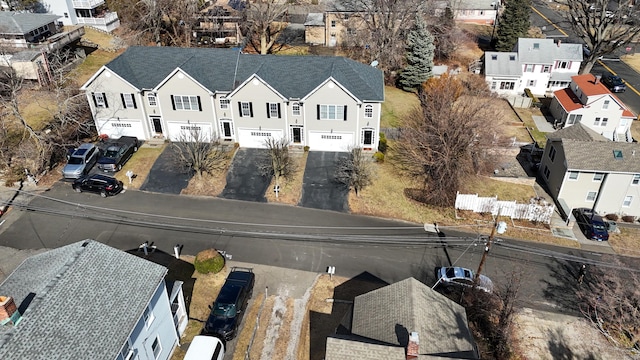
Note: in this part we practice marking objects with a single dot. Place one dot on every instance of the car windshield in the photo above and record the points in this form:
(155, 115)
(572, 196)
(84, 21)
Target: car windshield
(599, 227)
(616, 81)
(75, 160)
(451, 273)
(225, 310)
(111, 152)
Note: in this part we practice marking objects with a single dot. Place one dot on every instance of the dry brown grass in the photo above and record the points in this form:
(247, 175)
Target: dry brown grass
(91, 64)
(140, 163)
(250, 320)
(290, 190)
(633, 60)
(284, 333)
(527, 117)
(627, 242)
(509, 123)
(210, 184)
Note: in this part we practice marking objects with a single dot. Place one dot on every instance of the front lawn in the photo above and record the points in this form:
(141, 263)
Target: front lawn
(396, 105)
(140, 163)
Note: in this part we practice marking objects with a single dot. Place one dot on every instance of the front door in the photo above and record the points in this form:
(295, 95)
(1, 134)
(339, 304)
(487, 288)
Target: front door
(296, 134)
(367, 138)
(226, 130)
(157, 124)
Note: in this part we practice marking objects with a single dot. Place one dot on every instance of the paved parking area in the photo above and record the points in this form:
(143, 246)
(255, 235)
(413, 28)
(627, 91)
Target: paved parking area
(244, 178)
(165, 176)
(319, 190)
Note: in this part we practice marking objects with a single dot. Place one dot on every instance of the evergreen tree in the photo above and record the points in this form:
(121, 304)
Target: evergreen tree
(420, 52)
(513, 24)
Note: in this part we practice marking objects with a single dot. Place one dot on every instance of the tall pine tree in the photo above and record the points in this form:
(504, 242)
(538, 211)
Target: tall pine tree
(513, 24)
(420, 52)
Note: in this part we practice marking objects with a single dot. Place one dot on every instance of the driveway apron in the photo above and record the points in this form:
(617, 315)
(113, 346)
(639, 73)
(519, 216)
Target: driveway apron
(244, 178)
(319, 189)
(166, 176)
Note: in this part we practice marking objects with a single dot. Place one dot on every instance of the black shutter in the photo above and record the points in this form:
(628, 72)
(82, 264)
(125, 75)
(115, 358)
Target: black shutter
(344, 112)
(133, 98)
(199, 104)
(104, 97)
(251, 109)
(318, 113)
(279, 111)
(124, 104)
(93, 95)
(240, 108)
(173, 103)
(268, 112)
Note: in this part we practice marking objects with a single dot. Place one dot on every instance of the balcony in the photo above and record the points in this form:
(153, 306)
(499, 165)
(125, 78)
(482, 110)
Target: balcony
(86, 4)
(104, 21)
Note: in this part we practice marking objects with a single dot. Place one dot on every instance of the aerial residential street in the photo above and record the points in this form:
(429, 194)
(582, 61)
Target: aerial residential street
(285, 236)
(555, 25)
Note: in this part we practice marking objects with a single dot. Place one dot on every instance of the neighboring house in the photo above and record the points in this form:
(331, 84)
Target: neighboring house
(401, 320)
(589, 102)
(541, 65)
(484, 12)
(19, 30)
(93, 13)
(218, 24)
(87, 300)
(324, 102)
(583, 169)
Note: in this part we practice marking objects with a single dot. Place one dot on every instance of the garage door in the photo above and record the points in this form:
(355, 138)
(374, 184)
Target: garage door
(181, 131)
(327, 141)
(255, 138)
(119, 127)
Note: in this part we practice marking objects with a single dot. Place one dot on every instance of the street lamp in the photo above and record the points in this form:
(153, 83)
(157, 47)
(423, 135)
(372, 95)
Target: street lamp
(498, 227)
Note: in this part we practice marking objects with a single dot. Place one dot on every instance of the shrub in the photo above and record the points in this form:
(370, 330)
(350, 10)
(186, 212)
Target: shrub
(612, 217)
(535, 101)
(628, 218)
(382, 143)
(379, 156)
(209, 261)
(306, 149)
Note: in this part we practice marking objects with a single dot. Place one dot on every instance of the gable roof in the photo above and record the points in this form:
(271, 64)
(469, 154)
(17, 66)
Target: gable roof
(546, 51)
(599, 156)
(88, 298)
(410, 306)
(340, 348)
(500, 63)
(568, 99)
(475, 5)
(221, 70)
(576, 132)
(588, 85)
(20, 23)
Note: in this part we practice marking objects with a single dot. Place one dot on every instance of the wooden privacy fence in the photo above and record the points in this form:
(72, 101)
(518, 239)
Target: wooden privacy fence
(519, 101)
(534, 211)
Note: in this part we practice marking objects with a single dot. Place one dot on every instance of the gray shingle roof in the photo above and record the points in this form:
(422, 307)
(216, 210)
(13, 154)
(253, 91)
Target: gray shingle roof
(314, 19)
(292, 76)
(576, 132)
(88, 298)
(347, 349)
(599, 156)
(547, 51)
(411, 306)
(476, 5)
(18, 23)
(500, 63)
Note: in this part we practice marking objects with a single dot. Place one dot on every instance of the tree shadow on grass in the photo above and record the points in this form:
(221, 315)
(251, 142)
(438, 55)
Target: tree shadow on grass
(561, 350)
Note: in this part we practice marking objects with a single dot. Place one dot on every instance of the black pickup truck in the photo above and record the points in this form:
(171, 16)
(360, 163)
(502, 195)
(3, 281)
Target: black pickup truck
(230, 305)
(117, 152)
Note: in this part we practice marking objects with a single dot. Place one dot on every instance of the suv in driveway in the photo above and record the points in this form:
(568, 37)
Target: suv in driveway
(98, 183)
(591, 224)
(228, 309)
(614, 83)
(81, 161)
(117, 153)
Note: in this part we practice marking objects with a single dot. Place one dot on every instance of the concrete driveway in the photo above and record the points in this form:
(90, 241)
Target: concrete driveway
(165, 176)
(244, 178)
(319, 190)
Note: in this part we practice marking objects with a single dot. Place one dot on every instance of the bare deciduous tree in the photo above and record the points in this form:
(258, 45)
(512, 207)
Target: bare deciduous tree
(278, 162)
(265, 22)
(603, 30)
(355, 171)
(199, 152)
(610, 299)
(447, 137)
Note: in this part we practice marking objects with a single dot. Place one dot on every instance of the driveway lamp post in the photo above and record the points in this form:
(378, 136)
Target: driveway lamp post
(498, 227)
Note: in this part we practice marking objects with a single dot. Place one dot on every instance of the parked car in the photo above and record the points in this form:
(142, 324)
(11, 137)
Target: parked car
(205, 348)
(81, 161)
(459, 276)
(98, 183)
(117, 152)
(614, 83)
(592, 225)
(228, 309)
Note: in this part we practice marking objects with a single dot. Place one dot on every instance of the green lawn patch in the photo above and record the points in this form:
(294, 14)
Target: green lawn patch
(527, 117)
(91, 64)
(396, 105)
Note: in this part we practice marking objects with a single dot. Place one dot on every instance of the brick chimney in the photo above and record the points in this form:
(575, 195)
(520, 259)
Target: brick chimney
(559, 42)
(413, 346)
(597, 78)
(7, 309)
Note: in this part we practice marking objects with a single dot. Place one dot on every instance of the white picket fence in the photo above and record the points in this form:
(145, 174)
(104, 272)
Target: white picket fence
(532, 211)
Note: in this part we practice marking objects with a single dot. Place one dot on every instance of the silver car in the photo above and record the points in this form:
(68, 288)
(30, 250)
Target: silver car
(458, 276)
(81, 161)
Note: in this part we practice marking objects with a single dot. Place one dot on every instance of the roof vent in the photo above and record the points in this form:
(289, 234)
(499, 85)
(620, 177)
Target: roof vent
(617, 154)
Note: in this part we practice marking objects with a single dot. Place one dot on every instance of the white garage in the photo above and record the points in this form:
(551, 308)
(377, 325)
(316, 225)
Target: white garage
(255, 138)
(330, 141)
(181, 130)
(116, 128)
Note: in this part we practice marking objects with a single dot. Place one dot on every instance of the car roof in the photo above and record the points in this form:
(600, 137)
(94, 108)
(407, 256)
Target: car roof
(85, 146)
(101, 177)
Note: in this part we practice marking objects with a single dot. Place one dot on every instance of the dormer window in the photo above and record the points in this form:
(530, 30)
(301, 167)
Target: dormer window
(617, 154)
(536, 46)
(512, 58)
(494, 57)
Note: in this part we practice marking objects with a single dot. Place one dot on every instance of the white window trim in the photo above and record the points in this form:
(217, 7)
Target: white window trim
(224, 104)
(337, 109)
(368, 111)
(159, 347)
(99, 99)
(635, 180)
(128, 101)
(595, 196)
(598, 180)
(605, 105)
(152, 100)
(246, 111)
(192, 100)
(626, 203)
(573, 172)
(148, 316)
(296, 109)
(273, 110)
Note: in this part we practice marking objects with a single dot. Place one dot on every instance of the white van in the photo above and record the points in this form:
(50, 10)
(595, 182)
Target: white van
(205, 348)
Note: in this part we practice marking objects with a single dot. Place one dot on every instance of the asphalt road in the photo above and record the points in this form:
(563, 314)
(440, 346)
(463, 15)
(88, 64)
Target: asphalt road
(550, 19)
(289, 237)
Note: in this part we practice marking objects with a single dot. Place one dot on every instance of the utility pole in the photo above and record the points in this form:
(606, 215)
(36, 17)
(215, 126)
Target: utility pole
(500, 228)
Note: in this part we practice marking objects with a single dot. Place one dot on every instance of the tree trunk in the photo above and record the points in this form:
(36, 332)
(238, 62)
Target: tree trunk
(588, 65)
(263, 43)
